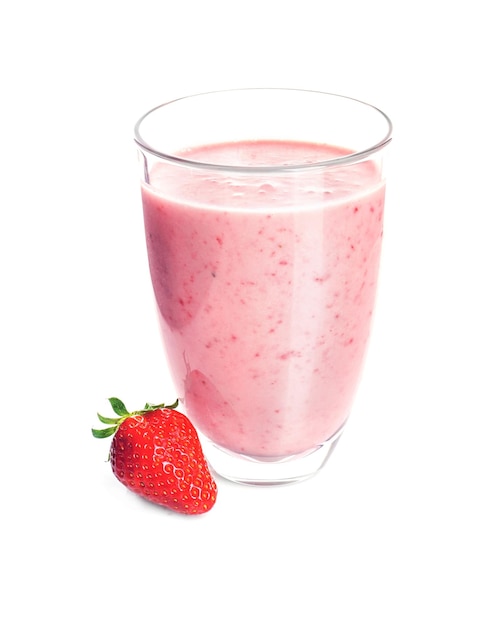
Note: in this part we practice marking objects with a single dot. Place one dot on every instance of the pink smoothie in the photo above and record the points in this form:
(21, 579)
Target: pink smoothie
(265, 287)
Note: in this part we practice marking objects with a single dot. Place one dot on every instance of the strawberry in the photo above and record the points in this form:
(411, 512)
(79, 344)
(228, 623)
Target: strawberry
(156, 453)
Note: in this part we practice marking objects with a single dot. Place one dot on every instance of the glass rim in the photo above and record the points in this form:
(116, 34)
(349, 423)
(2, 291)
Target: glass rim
(347, 159)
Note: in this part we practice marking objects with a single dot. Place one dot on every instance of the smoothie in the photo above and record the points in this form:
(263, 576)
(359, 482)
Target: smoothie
(265, 286)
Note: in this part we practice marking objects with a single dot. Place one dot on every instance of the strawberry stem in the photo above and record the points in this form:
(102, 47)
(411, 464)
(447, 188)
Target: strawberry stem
(122, 412)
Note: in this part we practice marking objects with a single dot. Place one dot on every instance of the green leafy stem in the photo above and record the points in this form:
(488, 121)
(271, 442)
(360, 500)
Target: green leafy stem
(122, 413)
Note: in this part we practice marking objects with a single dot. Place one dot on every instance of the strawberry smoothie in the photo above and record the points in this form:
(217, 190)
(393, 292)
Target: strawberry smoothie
(265, 286)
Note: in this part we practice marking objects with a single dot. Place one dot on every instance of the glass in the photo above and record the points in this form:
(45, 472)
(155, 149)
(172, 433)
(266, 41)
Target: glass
(263, 212)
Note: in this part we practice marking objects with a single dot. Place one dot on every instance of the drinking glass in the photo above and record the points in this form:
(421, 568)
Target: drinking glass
(263, 213)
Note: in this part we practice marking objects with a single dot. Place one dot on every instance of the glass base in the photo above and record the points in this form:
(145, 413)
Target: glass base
(265, 471)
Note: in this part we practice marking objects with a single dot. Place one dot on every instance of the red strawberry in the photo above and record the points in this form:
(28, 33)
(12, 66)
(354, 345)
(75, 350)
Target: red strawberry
(157, 454)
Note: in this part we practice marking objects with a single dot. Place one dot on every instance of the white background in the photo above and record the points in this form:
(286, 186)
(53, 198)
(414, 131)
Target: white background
(395, 530)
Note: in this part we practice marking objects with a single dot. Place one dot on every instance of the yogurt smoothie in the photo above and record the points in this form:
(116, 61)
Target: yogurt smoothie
(265, 287)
